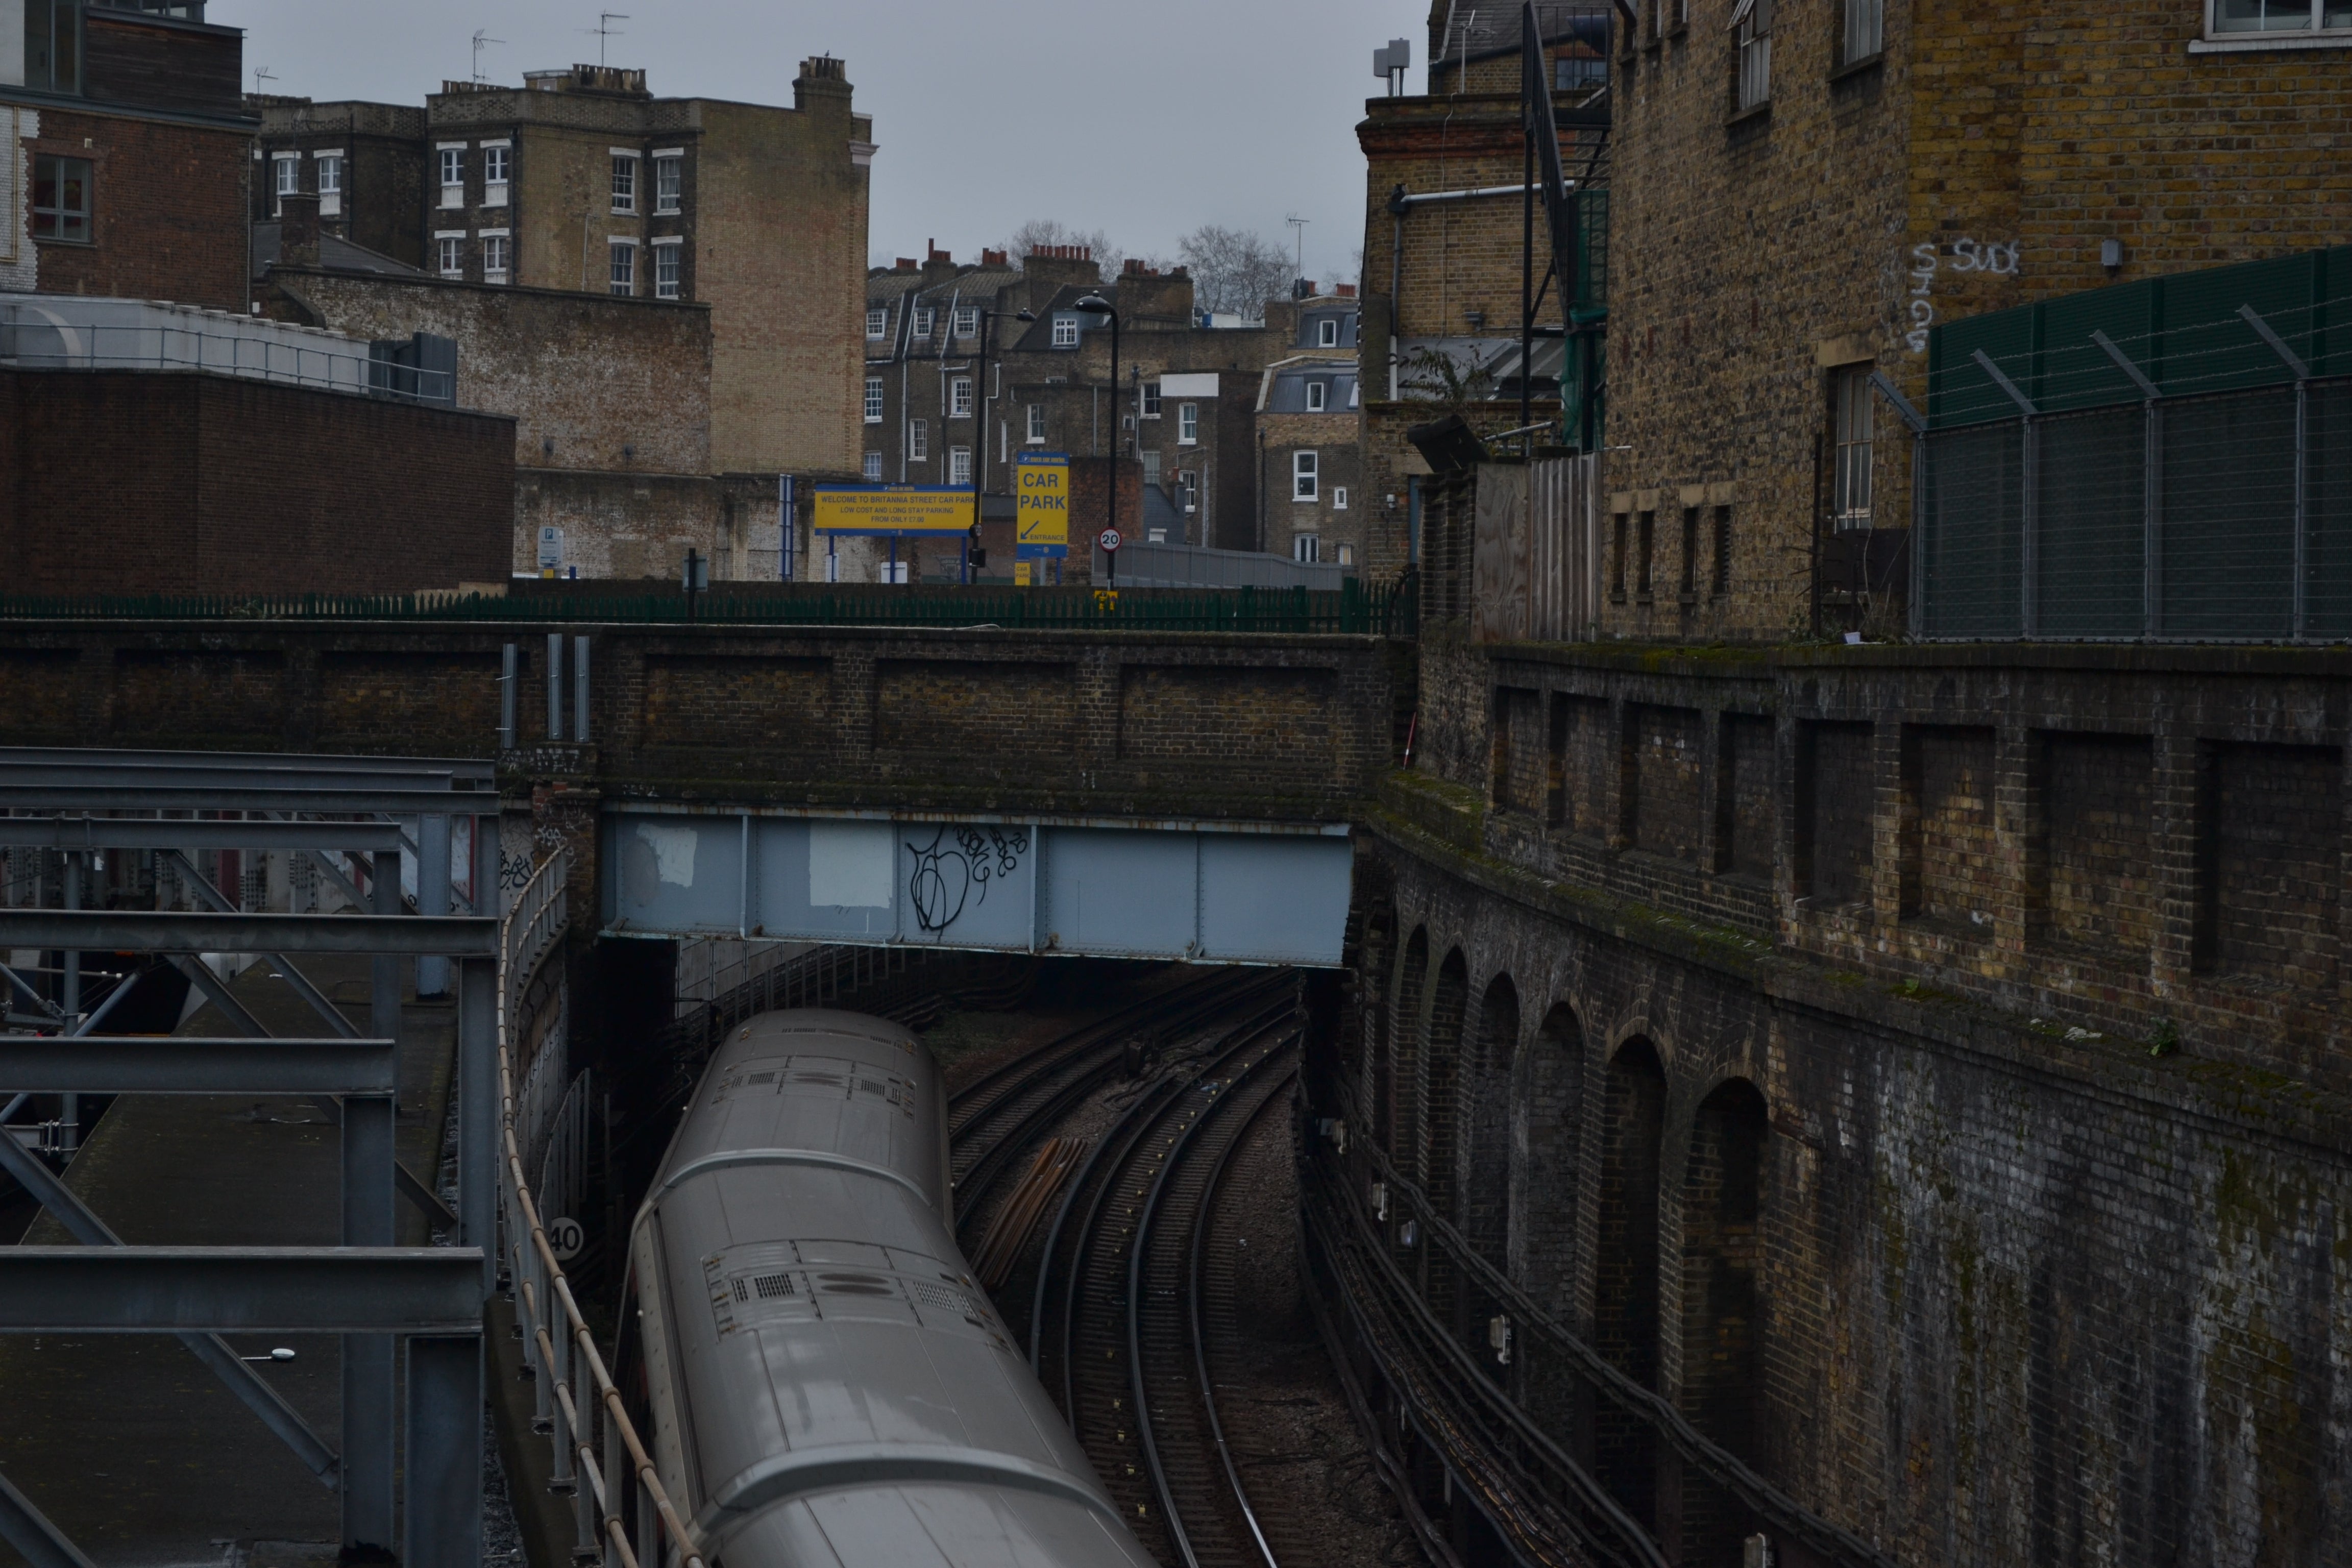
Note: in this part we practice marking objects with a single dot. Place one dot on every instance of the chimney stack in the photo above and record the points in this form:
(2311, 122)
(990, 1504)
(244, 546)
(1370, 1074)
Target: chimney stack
(298, 229)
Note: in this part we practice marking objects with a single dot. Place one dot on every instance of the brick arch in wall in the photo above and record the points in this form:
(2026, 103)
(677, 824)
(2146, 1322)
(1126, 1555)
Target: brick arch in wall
(1400, 1065)
(1484, 1163)
(1625, 1264)
(1441, 1077)
(1722, 1273)
(1546, 1180)
(1375, 975)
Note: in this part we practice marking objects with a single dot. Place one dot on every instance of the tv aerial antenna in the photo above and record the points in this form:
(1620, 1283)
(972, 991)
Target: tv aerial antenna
(1298, 229)
(482, 37)
(603, 29)
(260, 75)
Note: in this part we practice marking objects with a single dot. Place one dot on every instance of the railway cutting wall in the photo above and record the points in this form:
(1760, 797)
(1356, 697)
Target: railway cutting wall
(1922, 1066)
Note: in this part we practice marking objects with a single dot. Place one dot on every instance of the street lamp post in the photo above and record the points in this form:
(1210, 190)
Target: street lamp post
(1100, 309)
(980, 431)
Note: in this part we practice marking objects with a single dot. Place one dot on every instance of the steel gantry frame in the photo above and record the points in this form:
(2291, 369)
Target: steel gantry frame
(368, 1291)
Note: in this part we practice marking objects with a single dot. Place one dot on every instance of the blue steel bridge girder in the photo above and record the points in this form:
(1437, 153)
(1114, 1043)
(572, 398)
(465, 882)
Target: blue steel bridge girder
(1188, 890)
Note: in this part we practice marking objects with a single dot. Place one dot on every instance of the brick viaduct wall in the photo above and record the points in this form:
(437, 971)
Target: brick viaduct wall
(1997, 990)
(1230, 725)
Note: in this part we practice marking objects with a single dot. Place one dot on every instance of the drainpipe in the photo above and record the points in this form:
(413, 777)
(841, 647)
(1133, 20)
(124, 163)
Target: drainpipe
(1396, 287)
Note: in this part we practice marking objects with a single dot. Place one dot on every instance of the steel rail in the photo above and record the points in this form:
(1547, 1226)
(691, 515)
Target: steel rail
(1717, 1463)
(541, 909)
(1010, 1078)
(1201, 1224)
(1632, 1544)
(991, 1163)
(1137, 1252)
(1146, 1117)
(1134, 1122)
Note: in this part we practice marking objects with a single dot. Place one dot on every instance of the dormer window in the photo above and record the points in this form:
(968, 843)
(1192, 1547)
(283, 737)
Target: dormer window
(1317, 391)
(927, 318)
(1327, 332)
(1066, 331)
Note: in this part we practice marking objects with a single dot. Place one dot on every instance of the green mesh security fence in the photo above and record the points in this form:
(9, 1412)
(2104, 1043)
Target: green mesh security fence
(2169, 459)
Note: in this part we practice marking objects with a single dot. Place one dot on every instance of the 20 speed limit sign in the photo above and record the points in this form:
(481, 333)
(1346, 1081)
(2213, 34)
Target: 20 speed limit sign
(1109, 539)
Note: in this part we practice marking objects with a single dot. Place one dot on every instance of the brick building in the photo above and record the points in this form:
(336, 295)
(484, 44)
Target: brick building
(170, 488)
(123, 151)
(1797, 203)
(1443, 246)
(1310, 462)
(1184, 411)
(660, 291)
(359, 159)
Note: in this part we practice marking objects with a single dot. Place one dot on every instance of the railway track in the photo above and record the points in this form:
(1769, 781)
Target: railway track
(1008, 1111)
(1114, 1316)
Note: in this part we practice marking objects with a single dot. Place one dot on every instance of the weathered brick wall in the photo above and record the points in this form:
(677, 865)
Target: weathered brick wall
(168, 210)
(173, 482)
(590, 381)
(1989, 1265)
(1430, 274)
(1925, 815)
(1230, 725)
(1978, 162)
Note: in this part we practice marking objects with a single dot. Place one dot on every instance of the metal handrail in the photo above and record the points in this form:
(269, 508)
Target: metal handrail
(170, 344)
(540, 915)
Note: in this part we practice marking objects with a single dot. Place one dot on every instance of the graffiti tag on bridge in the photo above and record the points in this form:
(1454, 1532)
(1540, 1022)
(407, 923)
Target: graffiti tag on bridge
(945, 875)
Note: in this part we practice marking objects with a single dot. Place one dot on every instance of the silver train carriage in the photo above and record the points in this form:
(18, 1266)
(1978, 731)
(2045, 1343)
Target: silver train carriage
(819, 1377)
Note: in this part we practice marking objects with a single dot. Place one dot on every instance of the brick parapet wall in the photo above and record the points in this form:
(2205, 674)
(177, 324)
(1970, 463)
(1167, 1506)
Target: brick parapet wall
(2142, 844)
(1232, 726)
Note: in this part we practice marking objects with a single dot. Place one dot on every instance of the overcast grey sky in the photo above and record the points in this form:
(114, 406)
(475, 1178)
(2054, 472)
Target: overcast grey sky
(1145, 120)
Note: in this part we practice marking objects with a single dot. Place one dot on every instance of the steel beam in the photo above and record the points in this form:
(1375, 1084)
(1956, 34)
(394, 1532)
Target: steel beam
(188, 833)
(29, 1529)
(444, 1470)
(432, 897)
(370, 1382)
(141, 1063)
(219, 994)
(242, 1289)
(470, 769)
(235, 1373)
(170, 776)
(34, 997)
(280, 965)
(115, 931)
(233, 796)
(478, 1110)
(200, 975)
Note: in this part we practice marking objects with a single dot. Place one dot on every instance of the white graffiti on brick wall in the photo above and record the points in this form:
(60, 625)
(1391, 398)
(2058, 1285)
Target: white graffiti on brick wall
(1967, 255)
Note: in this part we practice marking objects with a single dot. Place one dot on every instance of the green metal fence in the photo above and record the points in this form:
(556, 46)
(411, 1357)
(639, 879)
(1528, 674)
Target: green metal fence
(2169, 460)
(1385, 609)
